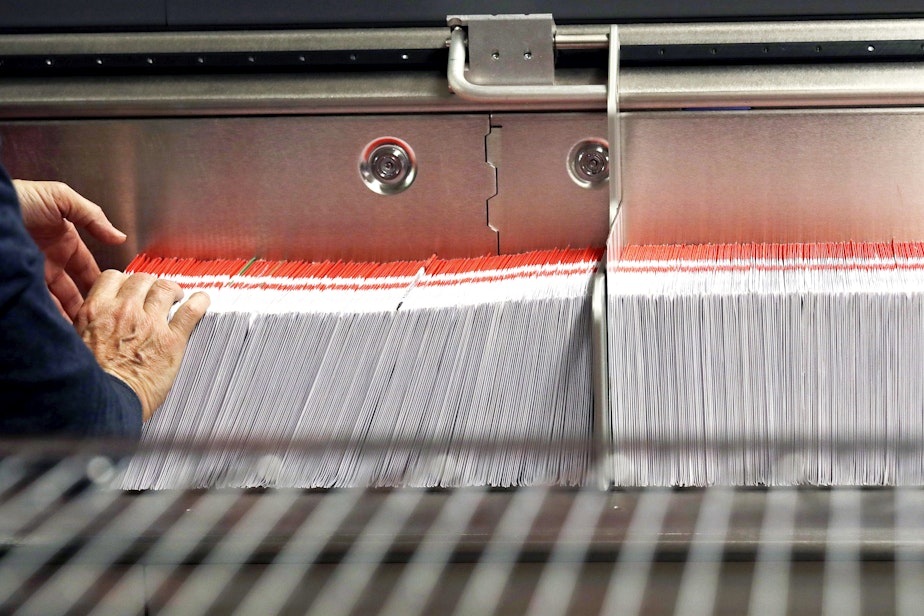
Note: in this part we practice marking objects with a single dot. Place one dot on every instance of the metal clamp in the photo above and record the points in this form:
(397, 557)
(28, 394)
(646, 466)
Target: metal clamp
(538, 50)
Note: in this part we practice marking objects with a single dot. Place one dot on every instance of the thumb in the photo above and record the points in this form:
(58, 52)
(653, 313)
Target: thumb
(189, 314)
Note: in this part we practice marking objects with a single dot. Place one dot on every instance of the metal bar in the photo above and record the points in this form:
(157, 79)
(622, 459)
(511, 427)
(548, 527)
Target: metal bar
(783, 86)
(102, 550)
(45, 490)
(204, 586)
(641, 89)
(842, 565)
(909, 555)
(274, 588)
(770, 586)
(344, 589)
(699, 586)
(12, 470)
(124, 593)
(603, 425)
(26, 559)
(627, 584)
(485, 587)
(566, 37)
(613, 125)
(581, 40)
(719, 33)
(560, 574)
(423, 572)
(222, 42)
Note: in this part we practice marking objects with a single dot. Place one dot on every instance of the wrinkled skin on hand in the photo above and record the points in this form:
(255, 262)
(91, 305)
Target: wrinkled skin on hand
(52, 213)
(124, 322)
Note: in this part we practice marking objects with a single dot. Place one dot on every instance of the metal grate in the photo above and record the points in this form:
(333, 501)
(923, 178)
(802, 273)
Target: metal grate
(71, 544)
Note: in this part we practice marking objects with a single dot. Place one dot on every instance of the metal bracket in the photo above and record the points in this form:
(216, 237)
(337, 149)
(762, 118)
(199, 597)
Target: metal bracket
(511, 60)
(510, 49)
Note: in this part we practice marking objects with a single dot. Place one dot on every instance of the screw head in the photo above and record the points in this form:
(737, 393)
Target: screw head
(388, 166)
(389, 163)
(590, 163)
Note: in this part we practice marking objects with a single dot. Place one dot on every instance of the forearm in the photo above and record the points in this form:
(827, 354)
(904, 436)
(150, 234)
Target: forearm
(50, 382)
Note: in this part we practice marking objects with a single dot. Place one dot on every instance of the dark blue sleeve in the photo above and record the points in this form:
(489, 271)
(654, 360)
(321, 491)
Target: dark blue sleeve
(50, 383)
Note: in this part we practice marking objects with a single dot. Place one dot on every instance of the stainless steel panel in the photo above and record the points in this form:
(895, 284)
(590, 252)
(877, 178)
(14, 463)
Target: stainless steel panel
(538, 204)
(275, 187)
(773, 176)
(289, 187)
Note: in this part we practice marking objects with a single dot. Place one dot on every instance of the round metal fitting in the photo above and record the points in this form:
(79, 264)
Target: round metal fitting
(388, 166)
(589, 163)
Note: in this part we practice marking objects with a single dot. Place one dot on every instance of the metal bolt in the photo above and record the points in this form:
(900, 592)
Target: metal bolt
(590, 163)
(389, 163)
(388, 168)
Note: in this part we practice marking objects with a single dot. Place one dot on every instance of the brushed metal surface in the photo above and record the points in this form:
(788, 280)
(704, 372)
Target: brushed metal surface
(289, 186)
(538, 204)
(421, 38)
(190, 95)
(283, 187)
(753, 31)
(808, 86)
(222, 41)
(898, 84)
(411, 92)
(774, 176)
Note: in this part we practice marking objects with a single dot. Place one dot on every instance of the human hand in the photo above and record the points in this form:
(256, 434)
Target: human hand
(52, 211)
(124, 322)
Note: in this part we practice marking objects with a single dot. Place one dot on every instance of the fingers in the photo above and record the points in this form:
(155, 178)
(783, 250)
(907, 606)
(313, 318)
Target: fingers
(64, 314)
(135, 288)
(107, 285)
(155, 295)
(82, 212)
(81, 266)
(189, 314)
(161, 296)
(64, 292)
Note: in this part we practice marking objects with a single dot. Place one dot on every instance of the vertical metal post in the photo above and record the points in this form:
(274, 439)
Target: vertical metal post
(603, 427)
(614, 134)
